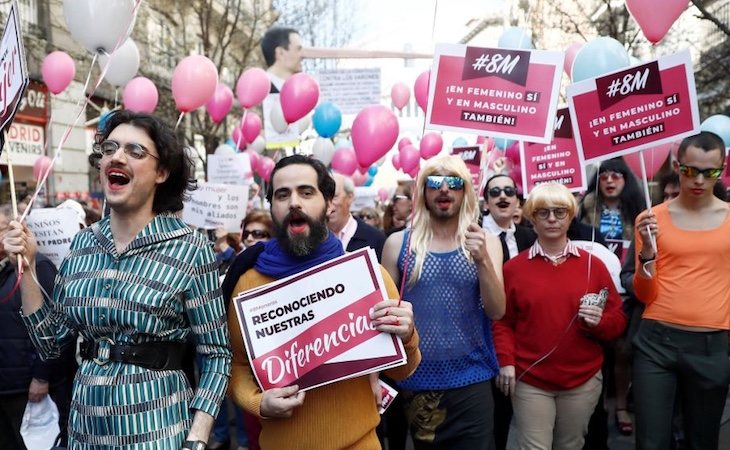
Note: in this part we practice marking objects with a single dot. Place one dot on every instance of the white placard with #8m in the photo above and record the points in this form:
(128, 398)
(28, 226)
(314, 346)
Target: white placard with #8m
(214, 206)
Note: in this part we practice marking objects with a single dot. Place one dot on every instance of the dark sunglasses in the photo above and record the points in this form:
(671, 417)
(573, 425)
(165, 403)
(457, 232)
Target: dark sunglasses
(496, 191)
(136, 151)
(436, 181)
(544, 213)
(612, 175)
(257, 234)
(692, 172)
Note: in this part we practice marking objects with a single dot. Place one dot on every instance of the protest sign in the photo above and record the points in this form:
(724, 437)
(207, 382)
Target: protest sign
(559, 161)
(472, 157)
(636, 108)
(365, 197)
(54, 229)
(313, 328)
(494, 91)
(25, 143)
(350, 89)
(13, 68)
(230, 169)
(216, 206)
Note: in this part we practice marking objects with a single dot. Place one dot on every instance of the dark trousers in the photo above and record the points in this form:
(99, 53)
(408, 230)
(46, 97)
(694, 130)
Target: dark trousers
(453, 419)
(502, 417)
(694, 366)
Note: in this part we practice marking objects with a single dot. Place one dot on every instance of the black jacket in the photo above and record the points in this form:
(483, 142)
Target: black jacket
(367, 236)
(19, 362)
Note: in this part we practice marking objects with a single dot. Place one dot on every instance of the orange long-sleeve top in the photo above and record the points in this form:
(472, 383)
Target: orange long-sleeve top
(691, 286)
(336, 416)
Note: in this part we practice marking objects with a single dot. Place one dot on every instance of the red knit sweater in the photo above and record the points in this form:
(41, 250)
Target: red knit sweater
(541, 301)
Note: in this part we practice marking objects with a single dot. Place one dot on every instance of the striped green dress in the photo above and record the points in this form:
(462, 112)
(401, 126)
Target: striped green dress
(161, 288)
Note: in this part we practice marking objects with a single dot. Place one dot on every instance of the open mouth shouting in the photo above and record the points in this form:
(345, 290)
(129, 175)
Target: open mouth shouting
(444, 202)
(297, 222)
(117, 178)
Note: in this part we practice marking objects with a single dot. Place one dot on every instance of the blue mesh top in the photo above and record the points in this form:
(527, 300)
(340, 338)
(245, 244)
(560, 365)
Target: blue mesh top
(456, 335)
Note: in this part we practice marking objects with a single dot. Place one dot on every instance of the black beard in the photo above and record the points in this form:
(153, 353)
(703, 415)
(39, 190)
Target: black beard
(301, 244)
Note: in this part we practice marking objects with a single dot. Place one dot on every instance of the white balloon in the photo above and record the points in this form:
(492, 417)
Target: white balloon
(323, 150)
(515, 37)
(304, 123)
(123, 65)
(224, 149)
(258, 145)
(277, 119)
(99, 24)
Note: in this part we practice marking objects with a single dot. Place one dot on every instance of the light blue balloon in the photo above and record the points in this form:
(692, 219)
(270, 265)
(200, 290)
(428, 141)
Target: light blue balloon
(368, 182)
(720, 125)
(343, 143)
(373, 170)
(503, 143)
(327, 119)
(599, 57)
(459, 142)
(515, 37)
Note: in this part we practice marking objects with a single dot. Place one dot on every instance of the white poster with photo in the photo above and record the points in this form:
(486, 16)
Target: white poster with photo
(214, 206)
(54, 229)
(230, 169)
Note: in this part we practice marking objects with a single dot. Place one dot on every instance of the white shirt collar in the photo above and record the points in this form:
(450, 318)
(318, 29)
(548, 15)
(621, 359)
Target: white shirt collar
(489, 224)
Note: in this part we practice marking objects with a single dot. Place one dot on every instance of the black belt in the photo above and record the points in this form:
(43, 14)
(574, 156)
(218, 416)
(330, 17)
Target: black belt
(151, 355)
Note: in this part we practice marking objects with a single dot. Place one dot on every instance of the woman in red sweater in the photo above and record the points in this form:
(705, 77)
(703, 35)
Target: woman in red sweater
(561, 304)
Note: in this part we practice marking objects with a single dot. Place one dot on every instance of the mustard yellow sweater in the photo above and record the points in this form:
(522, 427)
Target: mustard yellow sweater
(341, 415)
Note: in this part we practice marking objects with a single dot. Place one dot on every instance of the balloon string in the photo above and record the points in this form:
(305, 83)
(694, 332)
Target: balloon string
(406, 262)
(433, 38)
(179, 119)
(645, 183)
(82, 108)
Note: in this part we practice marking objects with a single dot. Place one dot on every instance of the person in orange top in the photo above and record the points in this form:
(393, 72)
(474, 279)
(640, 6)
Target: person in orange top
(338, 415)
(681, 348)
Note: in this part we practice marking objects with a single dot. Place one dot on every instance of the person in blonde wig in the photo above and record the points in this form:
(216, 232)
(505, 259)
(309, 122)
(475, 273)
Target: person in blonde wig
(561, 305)
(453, 270)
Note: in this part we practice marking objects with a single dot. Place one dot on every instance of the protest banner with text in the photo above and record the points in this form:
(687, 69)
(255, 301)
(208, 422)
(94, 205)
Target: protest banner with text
(472, 157)
(558, 162)
(494, 91)
(214, 206)
(313, 328)
(636, 108)
(13, 68)
(54, 229)
(230, 169)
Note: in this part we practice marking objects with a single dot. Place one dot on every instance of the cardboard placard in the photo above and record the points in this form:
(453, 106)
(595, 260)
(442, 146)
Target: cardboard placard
(214, 206)
(54, 229)
(230, 169)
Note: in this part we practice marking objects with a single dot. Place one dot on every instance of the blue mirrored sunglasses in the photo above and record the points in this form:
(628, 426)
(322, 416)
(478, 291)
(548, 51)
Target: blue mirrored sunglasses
(435, 182)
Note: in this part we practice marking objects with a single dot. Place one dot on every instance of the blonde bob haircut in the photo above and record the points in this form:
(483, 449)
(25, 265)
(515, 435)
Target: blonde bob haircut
(422, 231)
(549, 195)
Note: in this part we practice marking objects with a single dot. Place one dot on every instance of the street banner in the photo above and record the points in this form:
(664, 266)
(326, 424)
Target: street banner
(54, 229)
(230, 169)
(13, 68)
(350, 89)
(636, 108)
(25, 144)
(213, 206)
(313, 328)
(494, 91)
(558, 162)
(472, 157)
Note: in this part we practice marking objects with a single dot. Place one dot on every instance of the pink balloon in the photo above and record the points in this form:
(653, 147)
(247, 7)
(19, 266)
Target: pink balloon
(193, 82)
(238, 138)
(396, 161)
(654, 158)
(253, 86)
(344, 161)
(570, 53)
(431, 144)
(409, 158)
(383, 194)
(266, 166)
(140, 95)
(414, 173)
(359, 178)
(420, 89)
(251, 126)
(254, 158)
(655, 20)
(404, 142)
(516, 175)
(481, 140)
(374, 131)
(41, 166)
(220, 103)
(58, 71)
(400, 94)
(299, 95)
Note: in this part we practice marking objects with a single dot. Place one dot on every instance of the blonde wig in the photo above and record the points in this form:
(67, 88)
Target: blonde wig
(549, 195)
(422, 232)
